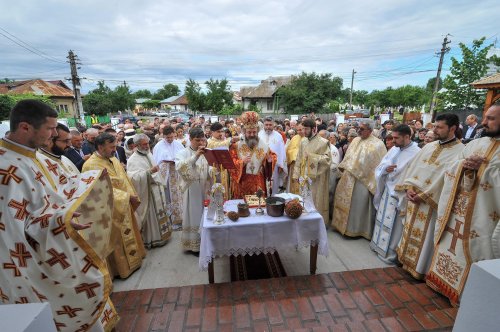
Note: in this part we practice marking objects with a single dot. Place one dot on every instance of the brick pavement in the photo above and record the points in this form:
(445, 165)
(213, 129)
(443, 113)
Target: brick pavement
(385, 299)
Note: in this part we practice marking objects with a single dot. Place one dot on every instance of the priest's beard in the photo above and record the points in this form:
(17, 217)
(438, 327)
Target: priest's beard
(252, 142)
(142, 151)
(488, 133)
(57, 150)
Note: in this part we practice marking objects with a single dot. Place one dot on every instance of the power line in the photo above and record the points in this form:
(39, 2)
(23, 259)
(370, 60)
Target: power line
(27, 46)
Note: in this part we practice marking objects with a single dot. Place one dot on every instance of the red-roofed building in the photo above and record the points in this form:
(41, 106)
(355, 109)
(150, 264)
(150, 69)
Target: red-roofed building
(57, 91)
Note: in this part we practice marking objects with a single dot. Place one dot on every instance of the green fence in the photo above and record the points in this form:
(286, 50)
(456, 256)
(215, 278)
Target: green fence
(102, 119)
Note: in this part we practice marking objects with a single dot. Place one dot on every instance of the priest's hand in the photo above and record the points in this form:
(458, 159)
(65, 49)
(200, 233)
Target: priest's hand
(154, 169)
(391, 168)
(247, 159)
(103, 174)
(76, 225)
(235, 139)
(413, 196)
(473, 162)
(134, 201)
(200, 151)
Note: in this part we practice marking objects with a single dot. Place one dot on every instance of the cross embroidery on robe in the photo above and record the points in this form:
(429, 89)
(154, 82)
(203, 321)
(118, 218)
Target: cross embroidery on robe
(9, 174)
(21, 254)
(61, 228)
(87, 288)
(58, 258)
(67, 310)
(456, 235)
(22, 212)
(52, 167)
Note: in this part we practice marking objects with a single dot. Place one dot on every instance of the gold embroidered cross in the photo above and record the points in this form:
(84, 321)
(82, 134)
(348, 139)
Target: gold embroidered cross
(456, 235)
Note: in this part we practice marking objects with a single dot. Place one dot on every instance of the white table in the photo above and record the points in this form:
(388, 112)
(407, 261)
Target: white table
(260, 234)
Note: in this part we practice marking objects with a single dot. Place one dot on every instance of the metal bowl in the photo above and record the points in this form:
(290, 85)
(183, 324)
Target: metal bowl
(275, 206)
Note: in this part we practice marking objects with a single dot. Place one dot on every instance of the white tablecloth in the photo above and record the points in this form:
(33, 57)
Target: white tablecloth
(259, 234)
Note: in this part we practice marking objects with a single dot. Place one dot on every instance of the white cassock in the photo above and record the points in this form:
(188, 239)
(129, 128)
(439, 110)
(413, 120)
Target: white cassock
(388, 225)
(275, 143)
(164, 154)
(195, 179)
(152, 213)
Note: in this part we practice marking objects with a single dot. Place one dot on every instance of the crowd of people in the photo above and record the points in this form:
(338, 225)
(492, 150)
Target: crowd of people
(424, 196)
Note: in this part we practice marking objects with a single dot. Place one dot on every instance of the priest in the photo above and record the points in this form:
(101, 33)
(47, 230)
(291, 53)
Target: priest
(418, 195)
(388, 223)
(55, 148)
(274, 140)
(313, 163)
(150, 186)
(128, 249)
(467, 226)
(292, 149)
(164, 154)
(43, 255)
(193, 170)
(218, 140)
(354, 213)
(254, 160)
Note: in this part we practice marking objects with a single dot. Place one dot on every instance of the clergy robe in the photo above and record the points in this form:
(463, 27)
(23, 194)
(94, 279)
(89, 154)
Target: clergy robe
(223, 177)
(65, 164)
(164, 155)
(128, 248)
(467, 227)
(42, 257)
(247, 179)
(388, 225)
(317, 168)
(292, 149)
(334, 175)
(277, 145)
(425, 176)
(152, 213)
(195, 182)
(354, 214)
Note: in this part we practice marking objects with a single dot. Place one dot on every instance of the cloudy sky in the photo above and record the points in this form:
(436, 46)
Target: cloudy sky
(149, 43)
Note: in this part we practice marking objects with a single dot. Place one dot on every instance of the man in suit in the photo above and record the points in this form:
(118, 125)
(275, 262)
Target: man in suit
(120, 151)
(74, 152)
(88, 146)
(471, 122)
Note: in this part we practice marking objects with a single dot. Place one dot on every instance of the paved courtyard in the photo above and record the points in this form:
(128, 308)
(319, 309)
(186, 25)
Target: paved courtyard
(169, 266)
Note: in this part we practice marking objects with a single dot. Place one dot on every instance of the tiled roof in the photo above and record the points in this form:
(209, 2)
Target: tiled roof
(182, 100)
(266, 88)
(37, 87)
(487, 81)
(170, 99)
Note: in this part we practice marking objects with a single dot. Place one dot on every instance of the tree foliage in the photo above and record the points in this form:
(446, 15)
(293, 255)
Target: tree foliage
(144, 93)
(7, 102)
(168, 90)
(459, 93)
(103, 100)
(194, 95)
(218, 95)
(309, 92)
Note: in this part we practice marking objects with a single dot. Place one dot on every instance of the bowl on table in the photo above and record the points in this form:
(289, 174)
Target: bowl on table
(243, 210)
(275, 206)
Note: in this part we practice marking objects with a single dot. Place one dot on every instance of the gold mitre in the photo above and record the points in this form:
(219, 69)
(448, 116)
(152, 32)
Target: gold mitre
(250, 120)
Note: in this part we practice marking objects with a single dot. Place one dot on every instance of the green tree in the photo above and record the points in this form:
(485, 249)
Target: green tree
(6, 81)
(151, 104)
(103, 100)
(231, 109)
(219, 94)
(196, 98)
(459, 93)
(431, 82)
(309, 92)
(168, 90)
(7, 102)
(144, 93)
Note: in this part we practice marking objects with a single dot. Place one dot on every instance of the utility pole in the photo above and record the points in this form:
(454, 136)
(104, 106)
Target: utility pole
(76, 84)
(350, 94)
(444, 50)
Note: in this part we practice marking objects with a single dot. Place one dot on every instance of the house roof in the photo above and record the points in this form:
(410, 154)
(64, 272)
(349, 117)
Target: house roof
(236, 96)
(266, 88)
(169, 99)
(181, 100)
(492, 81)
(37, 87)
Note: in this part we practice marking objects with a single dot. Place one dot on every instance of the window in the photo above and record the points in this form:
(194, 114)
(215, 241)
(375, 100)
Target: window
(269, 105)
(62, 108)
